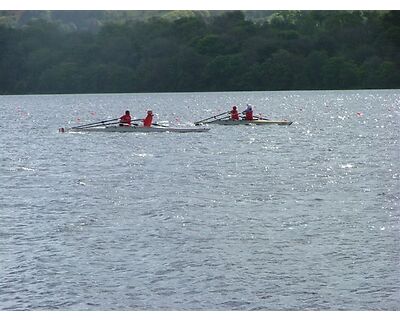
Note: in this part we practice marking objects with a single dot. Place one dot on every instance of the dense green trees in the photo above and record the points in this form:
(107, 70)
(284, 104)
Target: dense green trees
(292, 50)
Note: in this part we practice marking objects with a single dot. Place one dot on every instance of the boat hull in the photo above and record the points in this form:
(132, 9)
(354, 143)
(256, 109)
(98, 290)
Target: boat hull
(136, 129)
(251, 122)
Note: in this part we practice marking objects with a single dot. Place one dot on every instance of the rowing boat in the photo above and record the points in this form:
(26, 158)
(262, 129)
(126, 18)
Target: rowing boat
(134, 129)
(229, 122)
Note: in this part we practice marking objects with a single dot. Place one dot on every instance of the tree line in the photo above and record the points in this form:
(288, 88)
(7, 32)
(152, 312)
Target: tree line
(293, 50)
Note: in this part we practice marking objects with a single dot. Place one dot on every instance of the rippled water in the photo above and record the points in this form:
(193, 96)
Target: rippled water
(304, 217)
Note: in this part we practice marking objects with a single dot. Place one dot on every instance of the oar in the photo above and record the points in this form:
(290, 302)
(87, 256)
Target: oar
(94, 123)
(213, 117)
(223, 118)
(159, 125)
(260, 118)
(105, 123)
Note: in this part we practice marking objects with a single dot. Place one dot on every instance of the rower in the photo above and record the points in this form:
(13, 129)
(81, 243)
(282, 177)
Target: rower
(248, 112)
(126, 119)
(149, 119)
(234, 114)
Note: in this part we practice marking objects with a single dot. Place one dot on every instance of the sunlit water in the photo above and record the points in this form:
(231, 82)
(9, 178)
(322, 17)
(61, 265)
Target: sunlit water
(304, 217)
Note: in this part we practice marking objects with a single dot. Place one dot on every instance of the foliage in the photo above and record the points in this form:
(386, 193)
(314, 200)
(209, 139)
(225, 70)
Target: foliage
(292, 50)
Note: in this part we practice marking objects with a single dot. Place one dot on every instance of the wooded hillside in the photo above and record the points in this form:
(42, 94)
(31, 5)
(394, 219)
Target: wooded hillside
(288, 51)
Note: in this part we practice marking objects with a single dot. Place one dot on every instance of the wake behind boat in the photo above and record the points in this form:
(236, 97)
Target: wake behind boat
(135, 129)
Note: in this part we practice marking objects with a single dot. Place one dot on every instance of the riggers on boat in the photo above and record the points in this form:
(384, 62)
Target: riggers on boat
(229, 122)
(133, 129)
(225, 118)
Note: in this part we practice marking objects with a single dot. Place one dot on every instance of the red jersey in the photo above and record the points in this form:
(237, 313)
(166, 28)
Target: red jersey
(234, 115)
(125, 120)
(148, 120)
(249, 115)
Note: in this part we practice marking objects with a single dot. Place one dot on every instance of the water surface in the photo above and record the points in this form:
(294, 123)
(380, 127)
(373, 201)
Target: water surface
(304, 217)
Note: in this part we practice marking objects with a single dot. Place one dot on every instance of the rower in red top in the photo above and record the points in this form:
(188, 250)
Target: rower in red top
(149, 119)
(234, 113)
(248, 112)
(126, 119)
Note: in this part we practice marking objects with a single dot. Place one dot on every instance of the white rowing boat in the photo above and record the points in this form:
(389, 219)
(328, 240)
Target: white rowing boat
(228, 122)
(134, 129)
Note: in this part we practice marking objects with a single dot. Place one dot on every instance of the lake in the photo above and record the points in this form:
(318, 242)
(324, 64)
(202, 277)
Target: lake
(300, 217)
